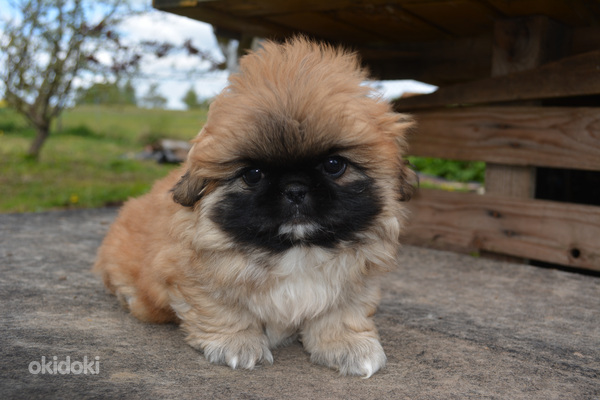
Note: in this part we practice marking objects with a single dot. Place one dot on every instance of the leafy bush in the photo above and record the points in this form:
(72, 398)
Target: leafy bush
(459, 171)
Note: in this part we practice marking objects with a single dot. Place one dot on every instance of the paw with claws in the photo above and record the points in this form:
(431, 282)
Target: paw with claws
(352, 349)
(359, 356)
(242, 350)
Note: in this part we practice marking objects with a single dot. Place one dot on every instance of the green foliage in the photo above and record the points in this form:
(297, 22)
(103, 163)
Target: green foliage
(459, 171)
(128, 94)
(88, 163)
(191, 99)
(152, 98)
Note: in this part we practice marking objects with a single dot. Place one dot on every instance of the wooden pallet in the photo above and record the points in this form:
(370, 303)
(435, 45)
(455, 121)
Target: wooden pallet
(502, 120)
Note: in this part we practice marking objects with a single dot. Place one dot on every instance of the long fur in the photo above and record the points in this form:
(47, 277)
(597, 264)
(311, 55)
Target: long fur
(167, 260)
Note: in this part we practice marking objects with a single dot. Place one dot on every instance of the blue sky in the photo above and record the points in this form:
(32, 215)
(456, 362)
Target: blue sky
(155, 25)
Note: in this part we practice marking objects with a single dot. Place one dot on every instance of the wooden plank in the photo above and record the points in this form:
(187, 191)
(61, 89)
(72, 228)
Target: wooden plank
(560, 137)
(389, 21)
(522, 44)
(561, 233)
(570, 12)
(572, 76)
(585, 38)
(510, 180)
(323, 26)
(450, 61)
(227, 22)
(458, 17)
(279, 7)
(433, 62)
(519, 44)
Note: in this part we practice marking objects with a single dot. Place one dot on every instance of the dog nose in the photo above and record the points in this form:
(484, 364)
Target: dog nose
(295, 192)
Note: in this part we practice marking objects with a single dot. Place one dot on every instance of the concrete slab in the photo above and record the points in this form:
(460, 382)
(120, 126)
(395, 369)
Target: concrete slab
(453, 327)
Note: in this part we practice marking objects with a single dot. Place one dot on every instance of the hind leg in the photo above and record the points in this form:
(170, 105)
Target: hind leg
(146, 301)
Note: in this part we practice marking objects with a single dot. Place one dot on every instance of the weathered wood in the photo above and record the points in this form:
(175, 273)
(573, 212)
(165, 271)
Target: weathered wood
(572, 76)
(554, 232)
(324, 26)
(279, 7)
(227, 22)
(472, 13)
(390, 21)
(510, 180)
(560, 137)
(449, 61)
(585, 38)
(451, 15)
(433, 62)
(570, 12)
(520, 44)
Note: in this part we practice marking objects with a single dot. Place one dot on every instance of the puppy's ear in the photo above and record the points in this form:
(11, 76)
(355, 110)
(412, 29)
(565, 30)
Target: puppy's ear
(188, 190)
(409, 181)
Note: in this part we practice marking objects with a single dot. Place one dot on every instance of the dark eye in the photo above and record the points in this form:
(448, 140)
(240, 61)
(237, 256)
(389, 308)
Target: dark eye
(334, 166)
(252, 176)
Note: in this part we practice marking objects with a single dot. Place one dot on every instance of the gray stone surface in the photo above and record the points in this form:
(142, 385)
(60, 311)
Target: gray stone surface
(453, 327)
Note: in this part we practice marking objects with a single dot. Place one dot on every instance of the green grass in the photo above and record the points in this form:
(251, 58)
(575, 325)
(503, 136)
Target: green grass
(87, 161)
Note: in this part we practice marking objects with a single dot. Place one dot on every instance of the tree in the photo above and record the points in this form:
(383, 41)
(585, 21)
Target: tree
(107, 93)
(152, 98)
(46, 46)
(98, 93)
(191, 99)
(128, 94)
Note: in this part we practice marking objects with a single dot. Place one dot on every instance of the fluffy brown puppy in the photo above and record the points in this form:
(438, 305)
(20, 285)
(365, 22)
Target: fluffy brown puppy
(287, 210)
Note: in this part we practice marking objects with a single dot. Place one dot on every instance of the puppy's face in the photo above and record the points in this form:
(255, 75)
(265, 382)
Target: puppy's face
(276, 203)
(296, 153)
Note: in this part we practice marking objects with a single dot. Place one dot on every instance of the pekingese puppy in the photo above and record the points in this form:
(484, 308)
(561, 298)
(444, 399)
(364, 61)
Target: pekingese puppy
(279, 223)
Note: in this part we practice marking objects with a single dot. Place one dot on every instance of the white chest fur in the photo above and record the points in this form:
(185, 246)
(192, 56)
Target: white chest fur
(309, 281)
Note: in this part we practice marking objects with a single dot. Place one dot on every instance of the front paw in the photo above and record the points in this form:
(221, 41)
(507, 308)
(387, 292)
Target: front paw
(362, 356)
(238, 351)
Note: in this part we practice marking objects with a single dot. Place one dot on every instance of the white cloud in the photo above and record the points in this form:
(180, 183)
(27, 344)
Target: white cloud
(176, 72)
(166, 27)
